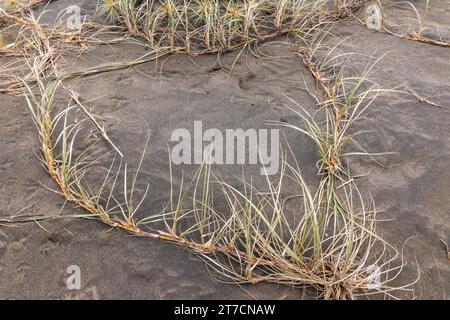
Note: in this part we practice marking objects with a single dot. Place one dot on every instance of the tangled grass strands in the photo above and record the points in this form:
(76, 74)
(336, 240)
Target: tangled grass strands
(209, 26)
(330, 248)
(44, 43)
(47, 45)
(158, 50)
(43, 52)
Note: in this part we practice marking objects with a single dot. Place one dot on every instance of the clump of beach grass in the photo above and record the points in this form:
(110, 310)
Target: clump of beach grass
(206, 26)
(342, 97)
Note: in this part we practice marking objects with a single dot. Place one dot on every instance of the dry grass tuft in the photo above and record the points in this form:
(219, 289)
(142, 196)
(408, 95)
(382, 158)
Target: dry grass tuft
(208, 26)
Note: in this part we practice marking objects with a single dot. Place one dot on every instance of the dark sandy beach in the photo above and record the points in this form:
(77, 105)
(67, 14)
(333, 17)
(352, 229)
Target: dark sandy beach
(246, 90)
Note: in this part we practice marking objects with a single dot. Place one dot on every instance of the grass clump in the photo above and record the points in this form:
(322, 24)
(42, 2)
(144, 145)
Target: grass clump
(202, 26)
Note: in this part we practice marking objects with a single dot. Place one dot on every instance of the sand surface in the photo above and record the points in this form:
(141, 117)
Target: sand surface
(237, 91)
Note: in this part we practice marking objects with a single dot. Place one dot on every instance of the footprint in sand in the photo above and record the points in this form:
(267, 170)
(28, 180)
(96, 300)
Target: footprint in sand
(245, 82)
(4, 165)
